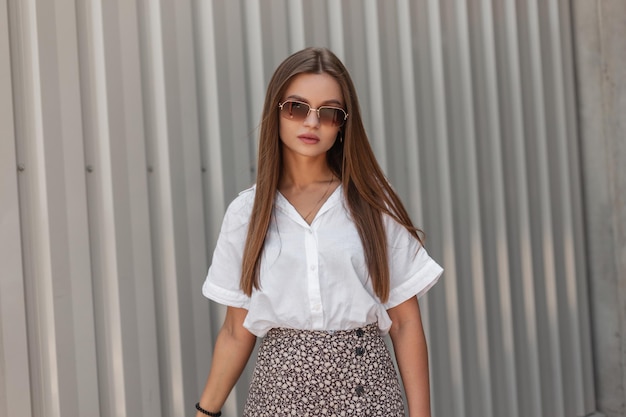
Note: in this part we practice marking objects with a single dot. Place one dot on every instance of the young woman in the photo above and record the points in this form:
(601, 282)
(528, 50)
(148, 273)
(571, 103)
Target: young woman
(320, 259)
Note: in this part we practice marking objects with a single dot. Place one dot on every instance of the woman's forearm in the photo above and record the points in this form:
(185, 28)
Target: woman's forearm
(232, 350)
(409, 342)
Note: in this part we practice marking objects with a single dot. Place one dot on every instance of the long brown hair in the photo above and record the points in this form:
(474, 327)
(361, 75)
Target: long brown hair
(368, 194)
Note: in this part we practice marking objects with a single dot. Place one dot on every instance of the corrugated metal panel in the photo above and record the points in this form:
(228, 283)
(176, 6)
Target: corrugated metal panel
(14, 360)
(134, 124)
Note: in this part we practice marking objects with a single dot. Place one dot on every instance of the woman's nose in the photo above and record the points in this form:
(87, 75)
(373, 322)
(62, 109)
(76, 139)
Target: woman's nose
(312, 119)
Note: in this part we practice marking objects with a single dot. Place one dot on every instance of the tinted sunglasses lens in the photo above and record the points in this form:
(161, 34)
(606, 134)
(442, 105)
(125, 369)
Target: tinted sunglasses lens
(295, 111)
(331, 116)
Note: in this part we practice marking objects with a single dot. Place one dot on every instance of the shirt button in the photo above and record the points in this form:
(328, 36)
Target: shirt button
(360, 351)
(359, 333)
(312, 267)
(360, 390)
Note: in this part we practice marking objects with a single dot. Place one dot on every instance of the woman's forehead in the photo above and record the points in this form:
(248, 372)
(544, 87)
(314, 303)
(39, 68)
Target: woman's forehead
(314, 88)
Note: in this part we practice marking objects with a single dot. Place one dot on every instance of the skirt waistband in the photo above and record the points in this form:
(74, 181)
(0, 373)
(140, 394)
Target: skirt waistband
(367, 330)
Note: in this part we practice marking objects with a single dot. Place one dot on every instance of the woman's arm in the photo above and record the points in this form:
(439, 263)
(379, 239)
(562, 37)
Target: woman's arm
(409, 344)
(233, 347)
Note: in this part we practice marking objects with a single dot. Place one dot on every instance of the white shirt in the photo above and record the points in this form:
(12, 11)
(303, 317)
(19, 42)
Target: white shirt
(314, 277)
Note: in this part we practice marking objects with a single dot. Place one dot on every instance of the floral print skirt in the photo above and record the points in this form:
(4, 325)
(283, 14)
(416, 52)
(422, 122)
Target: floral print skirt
(318, 373)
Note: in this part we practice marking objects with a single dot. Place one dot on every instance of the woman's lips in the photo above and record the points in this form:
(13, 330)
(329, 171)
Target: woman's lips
(308, 139)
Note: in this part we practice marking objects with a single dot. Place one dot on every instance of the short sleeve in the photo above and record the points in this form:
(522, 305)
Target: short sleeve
(412, 271)
(222, 281)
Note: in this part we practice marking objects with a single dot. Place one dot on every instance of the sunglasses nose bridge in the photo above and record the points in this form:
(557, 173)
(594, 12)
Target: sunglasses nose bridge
(316, 112)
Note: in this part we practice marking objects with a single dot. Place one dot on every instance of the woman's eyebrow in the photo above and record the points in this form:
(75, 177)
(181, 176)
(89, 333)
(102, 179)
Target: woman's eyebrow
(304, 100)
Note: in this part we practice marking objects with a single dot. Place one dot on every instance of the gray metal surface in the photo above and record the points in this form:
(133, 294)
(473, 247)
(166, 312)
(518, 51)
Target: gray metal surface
(128, 125)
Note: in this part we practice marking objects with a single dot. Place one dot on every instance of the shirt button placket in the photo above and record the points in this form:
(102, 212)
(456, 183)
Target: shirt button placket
(312, 259)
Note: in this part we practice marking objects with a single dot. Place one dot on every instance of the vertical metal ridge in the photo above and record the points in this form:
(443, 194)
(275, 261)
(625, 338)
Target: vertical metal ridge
(68, 209)
(102, 226)
(571, 100)
(35, 222)
(409, 100)
(372, 36)
(255, 76)
(572, 320)
(132, 207)
(15, 381)
(530, 387)
(210, 128)
(334, 12)
(233, 92)
(444, 183)
(555, 398)
(407, 73)
(213, 188)
(474, 227)
(185, 173)
(295, 25)
(500, 229)
(165, 252)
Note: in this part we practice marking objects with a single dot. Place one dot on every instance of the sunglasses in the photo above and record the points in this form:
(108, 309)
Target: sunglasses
(327, 115)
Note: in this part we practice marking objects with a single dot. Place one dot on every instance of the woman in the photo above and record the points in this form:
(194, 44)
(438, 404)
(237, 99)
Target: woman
(320, 259)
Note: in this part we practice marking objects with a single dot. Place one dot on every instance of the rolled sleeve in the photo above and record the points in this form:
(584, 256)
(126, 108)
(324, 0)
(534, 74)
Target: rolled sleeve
(222, 283)
(225, 296)
(412, 271)
(416, 284)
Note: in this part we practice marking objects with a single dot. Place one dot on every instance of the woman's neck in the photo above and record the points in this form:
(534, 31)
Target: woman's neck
(304, 172)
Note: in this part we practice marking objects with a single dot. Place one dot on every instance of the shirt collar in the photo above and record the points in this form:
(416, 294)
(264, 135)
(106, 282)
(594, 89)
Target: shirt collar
(286, 207)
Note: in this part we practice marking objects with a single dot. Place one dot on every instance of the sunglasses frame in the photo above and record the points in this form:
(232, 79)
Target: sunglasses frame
(317, 111)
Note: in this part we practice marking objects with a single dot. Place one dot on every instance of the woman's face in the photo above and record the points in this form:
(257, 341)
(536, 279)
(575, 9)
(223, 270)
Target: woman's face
(309, 137)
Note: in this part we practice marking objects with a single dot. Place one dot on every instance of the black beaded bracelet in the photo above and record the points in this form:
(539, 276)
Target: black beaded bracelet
(208, 413)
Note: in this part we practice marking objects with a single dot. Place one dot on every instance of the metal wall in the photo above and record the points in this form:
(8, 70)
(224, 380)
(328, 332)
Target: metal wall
(128, 125)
